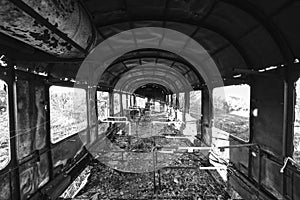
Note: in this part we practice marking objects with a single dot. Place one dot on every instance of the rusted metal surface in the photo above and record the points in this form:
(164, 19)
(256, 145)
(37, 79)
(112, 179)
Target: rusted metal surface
(4, 187)
(67, 16)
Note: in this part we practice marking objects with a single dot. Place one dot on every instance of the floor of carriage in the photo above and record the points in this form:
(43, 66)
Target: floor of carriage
(178, 177)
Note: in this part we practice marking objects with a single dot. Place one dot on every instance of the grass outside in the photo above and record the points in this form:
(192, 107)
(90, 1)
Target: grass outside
(235, 125)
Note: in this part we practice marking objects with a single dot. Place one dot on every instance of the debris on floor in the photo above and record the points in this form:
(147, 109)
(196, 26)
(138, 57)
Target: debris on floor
(183, 180)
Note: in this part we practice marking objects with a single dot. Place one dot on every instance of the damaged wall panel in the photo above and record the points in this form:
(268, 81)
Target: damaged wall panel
(40, 117)
(65, 153)
(267, 97)
(67, 16)
(23, 129)
(5, 187)
(33, 175)
(268, 130)
(31, 117)
(207, 112)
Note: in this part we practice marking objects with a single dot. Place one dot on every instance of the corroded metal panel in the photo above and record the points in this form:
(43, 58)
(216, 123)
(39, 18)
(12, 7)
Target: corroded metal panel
(65, 153)
(93, 134)
(267, 96)
(43, 170)
(33, 175)
(24, 131)
(31, 117)
(40, 117)
(92, 108)
(66, 16)
(5, 187)
(27, 180)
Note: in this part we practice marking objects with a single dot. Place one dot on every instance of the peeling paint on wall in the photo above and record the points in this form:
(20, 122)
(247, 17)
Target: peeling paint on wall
(24, 132)
(5, 187)
(67, 16)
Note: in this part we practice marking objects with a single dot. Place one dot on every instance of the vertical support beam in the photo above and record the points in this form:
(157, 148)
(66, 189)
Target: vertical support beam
(96, 110)
(187, 97)
(176, 105)
(111, 103)
(121, 104)
(289, 118)
(134, 100)
(185, 107)
(289, 112)
(48, 128)
(12, 99)
(251, 130)
(207, 115)
(88, 132)
(127, 101)
(131, 100)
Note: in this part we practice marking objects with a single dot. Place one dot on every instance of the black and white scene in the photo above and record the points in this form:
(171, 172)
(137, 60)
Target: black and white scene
(149, 100)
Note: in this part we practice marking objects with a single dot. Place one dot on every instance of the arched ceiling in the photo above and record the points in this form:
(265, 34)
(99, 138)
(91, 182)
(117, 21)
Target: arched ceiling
(152, 73)
(248, 34)
(150, 62)
(249, 27)
(153, 91)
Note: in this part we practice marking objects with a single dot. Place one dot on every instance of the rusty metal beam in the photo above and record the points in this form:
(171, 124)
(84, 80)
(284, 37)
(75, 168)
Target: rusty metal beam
(31, 12)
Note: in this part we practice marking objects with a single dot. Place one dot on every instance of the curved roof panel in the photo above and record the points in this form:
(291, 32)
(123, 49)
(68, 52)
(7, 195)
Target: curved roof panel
(248, 34)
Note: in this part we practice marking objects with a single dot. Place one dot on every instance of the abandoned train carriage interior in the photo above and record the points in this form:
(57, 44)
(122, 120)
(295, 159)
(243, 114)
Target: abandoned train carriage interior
(149, 99)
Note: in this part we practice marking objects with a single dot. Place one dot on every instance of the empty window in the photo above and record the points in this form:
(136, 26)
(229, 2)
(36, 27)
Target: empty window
(174, 101)
(4, 126)
(102, 105)
(117, 103)
(181, 101)
(232, 110)
(157, 106)
(195, 104)
(169, 100)
(296, 154)
(68, 112)
(124, 101)
(140, 102)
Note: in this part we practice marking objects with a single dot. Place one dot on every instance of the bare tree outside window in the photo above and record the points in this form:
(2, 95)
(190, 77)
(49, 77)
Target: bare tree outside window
(68, 112)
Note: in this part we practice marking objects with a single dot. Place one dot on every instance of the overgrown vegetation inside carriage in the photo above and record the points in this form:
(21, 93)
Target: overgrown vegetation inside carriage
(179, 177)
(169, 183)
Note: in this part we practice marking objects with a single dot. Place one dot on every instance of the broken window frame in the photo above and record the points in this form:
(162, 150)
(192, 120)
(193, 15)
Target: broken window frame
(73, 133)
(8, 156)
(247, 136)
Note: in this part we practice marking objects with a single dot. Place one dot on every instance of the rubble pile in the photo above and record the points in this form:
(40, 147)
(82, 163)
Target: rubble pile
(157, 175)
(181, 180)
(170, 130)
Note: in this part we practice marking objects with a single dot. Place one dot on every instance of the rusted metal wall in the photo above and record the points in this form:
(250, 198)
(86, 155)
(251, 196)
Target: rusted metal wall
(64, 153)
(207, 114)
(5, 187)
(65, 15)
(239, 156)
(31, 136)
(31, 117)
(267, 96)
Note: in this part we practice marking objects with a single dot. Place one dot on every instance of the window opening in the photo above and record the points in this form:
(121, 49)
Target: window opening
(68, 112)
(4, 126)
(232, 110)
